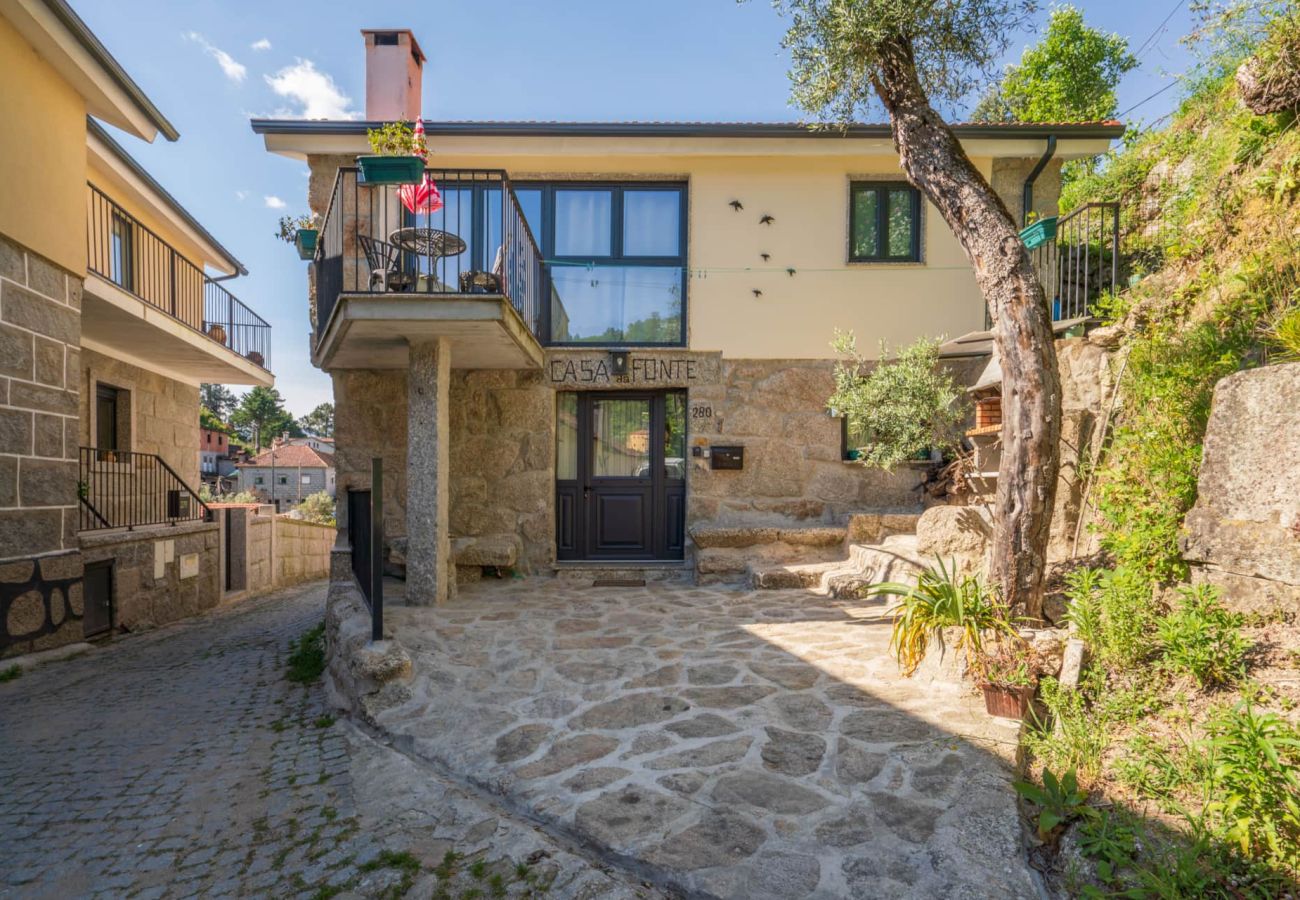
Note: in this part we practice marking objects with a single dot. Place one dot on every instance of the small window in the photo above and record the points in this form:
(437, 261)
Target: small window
(122, 252)
(884, 222)
(284, 479)
(258, 480)
(306, 479)
(106, 417)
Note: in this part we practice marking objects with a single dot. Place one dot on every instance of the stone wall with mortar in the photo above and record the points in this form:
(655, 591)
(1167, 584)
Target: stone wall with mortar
(161, 574)
(40, 558)
(260, 562)
(302, 551)
(1243, 535)
(162, 414)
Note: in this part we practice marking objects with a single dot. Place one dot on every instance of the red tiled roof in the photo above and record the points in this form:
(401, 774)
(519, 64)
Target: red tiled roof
(290, 456)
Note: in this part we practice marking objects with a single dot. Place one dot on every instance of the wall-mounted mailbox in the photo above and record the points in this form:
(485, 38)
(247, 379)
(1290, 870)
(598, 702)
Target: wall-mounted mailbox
(727, 457)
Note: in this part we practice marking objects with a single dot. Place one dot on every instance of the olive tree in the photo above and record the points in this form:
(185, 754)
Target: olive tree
(910, 55)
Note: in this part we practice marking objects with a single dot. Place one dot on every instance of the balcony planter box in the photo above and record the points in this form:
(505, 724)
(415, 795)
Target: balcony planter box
(1039, 233)
(391, 169)
(1007, 701)
(305, 241)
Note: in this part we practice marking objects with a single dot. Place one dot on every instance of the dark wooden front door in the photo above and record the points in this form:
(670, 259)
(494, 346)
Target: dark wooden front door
(97, 598)
(621, 475)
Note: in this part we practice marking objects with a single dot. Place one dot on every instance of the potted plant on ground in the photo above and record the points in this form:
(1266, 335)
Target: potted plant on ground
(1009, 677)
(397, 155)
(301, 232)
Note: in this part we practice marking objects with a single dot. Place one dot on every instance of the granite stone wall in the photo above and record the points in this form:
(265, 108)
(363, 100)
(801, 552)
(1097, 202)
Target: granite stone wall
(302, 551)
(161, 574)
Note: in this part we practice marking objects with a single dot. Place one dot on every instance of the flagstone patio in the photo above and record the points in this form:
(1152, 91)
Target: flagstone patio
(733, 743)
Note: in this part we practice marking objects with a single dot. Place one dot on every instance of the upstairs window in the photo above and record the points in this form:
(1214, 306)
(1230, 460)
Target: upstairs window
(884, 222)
(122, 252)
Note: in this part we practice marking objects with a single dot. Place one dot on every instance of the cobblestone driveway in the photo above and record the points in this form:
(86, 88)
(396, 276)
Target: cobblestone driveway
(182, 763)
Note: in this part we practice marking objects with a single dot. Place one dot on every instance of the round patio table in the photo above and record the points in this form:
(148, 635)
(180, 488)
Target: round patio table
(431, 242)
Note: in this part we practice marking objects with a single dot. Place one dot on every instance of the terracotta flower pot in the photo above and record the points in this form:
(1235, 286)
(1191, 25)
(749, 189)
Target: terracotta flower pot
(1007, 701)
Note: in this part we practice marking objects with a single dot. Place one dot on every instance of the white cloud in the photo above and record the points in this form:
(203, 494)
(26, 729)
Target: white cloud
(234, 70)
(273, 202)
(262, 44)
(241, 195)
(314, 91)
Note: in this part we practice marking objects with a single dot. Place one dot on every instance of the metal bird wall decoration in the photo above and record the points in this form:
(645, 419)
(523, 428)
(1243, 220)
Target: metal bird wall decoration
(766, 256)
(766, 220)
(757, 292)
(790, 272)
(737, 205)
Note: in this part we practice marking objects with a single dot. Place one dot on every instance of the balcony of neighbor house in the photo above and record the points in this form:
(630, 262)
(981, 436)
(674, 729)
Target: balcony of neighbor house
(148, 297)
(450, 257)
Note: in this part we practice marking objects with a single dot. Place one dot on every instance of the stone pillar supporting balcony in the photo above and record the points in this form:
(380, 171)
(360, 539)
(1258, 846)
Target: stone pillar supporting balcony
(430, 576)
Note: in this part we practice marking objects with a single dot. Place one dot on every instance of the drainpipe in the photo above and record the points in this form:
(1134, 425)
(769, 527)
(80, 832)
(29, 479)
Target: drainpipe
(1027, 204)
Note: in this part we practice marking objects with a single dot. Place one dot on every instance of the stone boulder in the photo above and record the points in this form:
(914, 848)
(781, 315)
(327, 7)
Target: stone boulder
(1243, 535)
(958, 535)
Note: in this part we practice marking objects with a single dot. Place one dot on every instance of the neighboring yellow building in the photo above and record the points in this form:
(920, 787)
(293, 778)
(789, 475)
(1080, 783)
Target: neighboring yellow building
(577, 285)
(108, 324)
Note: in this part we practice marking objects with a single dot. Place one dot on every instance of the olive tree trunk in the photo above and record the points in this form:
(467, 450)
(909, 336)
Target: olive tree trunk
(936, 164)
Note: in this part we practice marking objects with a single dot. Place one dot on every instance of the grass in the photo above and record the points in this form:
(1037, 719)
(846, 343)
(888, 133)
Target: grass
(324, 721)
(10, 673)
(307, 656)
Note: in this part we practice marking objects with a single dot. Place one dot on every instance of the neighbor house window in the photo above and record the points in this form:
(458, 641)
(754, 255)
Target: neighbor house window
(884, 222)
(306, 479)
(257, 479)
(284, 479)
(121, 270)
(106, 401)
(616, 260)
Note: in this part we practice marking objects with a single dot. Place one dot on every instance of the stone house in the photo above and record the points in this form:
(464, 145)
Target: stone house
(606, 345)
(286, 474)
(108, 323)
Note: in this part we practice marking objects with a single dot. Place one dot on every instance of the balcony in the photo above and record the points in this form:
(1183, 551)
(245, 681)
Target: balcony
(120, 489)
(150, 302)
(389, 269)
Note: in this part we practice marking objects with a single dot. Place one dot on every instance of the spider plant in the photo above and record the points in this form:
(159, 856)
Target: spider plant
(941, 598)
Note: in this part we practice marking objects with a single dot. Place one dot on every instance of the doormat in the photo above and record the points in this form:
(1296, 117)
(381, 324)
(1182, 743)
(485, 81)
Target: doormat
(618, 582)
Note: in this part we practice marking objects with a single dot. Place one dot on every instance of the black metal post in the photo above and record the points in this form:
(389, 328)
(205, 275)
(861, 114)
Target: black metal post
(377, 548)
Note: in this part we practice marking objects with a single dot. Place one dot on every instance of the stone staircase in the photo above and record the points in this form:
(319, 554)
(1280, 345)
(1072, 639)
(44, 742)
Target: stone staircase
(833, 560)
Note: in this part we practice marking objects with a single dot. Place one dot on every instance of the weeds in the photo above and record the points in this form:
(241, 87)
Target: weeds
(10, 673)
(1059, 801)
(307, 656)
(1202, 639)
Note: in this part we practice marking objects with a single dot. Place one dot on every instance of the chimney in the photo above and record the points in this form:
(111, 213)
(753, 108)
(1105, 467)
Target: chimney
(394, 66)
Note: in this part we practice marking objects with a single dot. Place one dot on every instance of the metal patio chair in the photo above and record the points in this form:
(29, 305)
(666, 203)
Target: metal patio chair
(385, 261)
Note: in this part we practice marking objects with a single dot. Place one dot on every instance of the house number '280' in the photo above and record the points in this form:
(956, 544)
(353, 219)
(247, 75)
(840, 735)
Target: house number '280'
(701, 411)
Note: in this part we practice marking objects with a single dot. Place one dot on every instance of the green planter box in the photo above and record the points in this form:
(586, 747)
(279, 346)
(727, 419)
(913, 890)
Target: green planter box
(1039, 233)
(391, 169)
(305, 241)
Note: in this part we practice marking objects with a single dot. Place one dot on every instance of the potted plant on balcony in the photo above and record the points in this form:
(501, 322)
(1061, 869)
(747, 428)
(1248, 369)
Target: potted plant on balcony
(397, 155)
(301, 232)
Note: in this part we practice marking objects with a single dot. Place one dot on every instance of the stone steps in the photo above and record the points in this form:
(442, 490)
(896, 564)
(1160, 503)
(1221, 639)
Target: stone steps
(894, 559)
(471, 555)
(578, 573)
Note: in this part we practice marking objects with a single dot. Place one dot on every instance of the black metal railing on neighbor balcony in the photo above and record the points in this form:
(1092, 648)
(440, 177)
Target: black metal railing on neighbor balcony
(120, 489)
(395, 239)
(124, 251)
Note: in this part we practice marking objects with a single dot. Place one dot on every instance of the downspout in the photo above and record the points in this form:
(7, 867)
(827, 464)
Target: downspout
(1027, 202)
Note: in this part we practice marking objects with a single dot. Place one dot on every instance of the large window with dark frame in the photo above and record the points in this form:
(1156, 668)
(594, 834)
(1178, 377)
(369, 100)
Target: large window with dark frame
(616, 260)
(884, 222)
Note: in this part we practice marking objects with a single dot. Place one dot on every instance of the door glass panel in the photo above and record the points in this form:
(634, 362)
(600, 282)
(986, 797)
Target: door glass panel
(620, 439)
(651, 223)
(582, 223)
(675, 437)
(566, 437)
(616, 304)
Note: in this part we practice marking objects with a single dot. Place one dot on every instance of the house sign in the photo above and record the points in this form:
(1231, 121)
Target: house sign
(648, 369)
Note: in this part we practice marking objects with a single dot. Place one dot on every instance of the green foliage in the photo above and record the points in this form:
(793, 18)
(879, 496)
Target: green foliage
(320, 421)
(10, 673)
(1255, 785)
(1109, 839)
(1072, 735)
(1202, 639)
(396, 139)
(218, 399)
(1059, 800)
(896, 409)
(318, 508)
(261, 417)
(1112, 612)
(1069, 76)
(837, 48)
(940, 599)
(307, 655)
(1284, 333)
(208, 420)
(288, 226)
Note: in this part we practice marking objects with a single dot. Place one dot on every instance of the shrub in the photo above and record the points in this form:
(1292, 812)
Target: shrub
(290, 225)
(941, 599)
(896, 409)
(307, 655)
(319, 508)
(1071, 736)
(396, 139)
(1060, 800)
(1111, 610)
(1202, 639)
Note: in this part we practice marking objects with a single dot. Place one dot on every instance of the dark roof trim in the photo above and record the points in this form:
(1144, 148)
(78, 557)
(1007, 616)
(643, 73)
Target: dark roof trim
(139, 171)
(1107, 130)
(78, 29)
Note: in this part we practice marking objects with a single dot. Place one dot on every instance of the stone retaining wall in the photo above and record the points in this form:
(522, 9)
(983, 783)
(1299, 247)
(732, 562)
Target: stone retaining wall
(302, 551)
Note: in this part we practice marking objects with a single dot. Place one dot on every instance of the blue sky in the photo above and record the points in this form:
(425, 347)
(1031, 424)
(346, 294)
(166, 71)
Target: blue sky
(210, 66)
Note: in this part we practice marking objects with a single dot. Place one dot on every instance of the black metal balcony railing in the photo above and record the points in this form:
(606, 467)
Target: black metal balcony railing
(477, 242)
(120, 489)
(1083, 262)
(124, 251)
